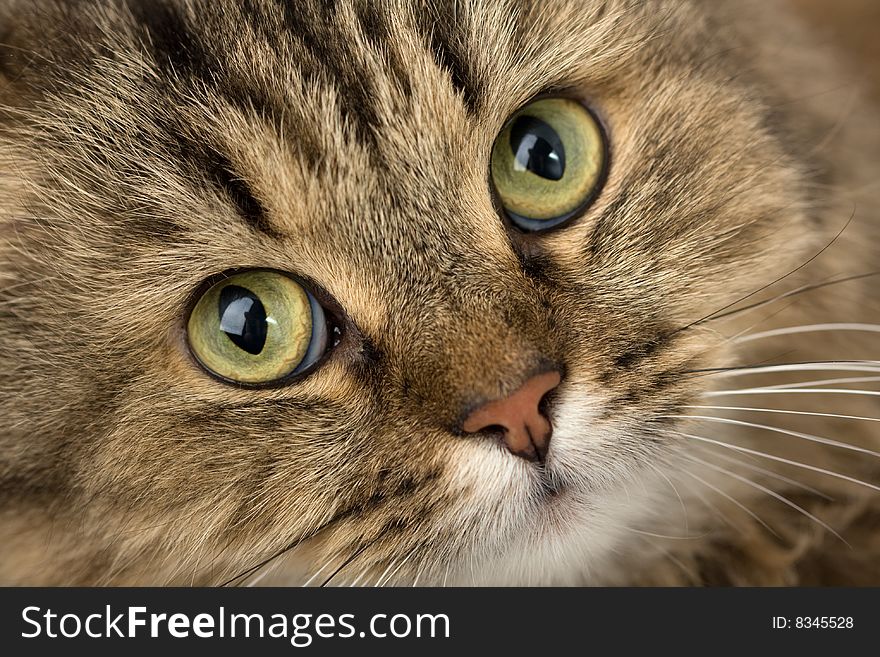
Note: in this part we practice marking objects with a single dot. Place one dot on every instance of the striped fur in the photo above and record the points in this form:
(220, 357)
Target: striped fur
(148, 145)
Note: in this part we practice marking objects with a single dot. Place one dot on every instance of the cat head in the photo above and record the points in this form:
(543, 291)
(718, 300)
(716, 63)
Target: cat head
(276, 279)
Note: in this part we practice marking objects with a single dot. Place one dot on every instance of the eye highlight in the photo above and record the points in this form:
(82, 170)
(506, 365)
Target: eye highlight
(548, 163)
(257, 327)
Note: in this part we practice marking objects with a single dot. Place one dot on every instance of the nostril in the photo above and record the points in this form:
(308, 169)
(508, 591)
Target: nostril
(520, 417)
(494, 432)
(546, 402)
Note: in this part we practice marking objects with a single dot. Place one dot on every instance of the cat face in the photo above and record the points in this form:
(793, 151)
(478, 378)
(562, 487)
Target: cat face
(344, 151)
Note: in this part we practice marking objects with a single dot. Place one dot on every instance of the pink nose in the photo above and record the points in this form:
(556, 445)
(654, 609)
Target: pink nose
(525, 430)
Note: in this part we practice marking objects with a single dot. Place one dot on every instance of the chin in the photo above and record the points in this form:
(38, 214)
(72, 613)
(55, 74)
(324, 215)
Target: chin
(566, 521)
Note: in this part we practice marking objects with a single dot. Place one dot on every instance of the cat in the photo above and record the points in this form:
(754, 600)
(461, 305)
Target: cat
(435, 292)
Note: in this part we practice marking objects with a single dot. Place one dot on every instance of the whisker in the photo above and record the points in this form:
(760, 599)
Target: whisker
(779, 459)
(253, 569)
(707, 502)
(848, 110)
(790, 391)
(350, 560)
(400, 565)
(664, 536)
(767, 427)
(775, 495)
(786, 412)
(853, 366)
(805, 366)
(768, 473)
(675, 490)
(786, 295)
(721, 311)
(688, 571)
(763, 320)
(315, 575)
(385, 572)
(822, 382)
(357, 579)
(731, 498)
(261, 576)
(809, 328)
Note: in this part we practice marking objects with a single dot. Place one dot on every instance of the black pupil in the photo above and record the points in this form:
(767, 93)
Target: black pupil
(537, 148)
(243, 318)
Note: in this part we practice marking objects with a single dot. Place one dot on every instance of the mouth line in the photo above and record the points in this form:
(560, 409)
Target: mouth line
(548, 488)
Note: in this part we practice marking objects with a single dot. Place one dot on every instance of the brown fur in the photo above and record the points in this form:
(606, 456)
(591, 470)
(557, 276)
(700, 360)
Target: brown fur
(145, 150)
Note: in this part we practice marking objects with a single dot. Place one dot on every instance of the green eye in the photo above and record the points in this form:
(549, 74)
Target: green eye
(257, 327)
(548, 163)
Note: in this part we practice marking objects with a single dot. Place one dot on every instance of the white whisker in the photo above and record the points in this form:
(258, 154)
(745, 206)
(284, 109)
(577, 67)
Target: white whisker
(796, 464)
(767, 427)
(823, 382)
(751, 327)
(359, 577)
(731, 498)
(674, 559)
(664, 536)
(794, 391)
(272, 566)
(399, 566)
(773, 494)
(707, 502)
(810, 328)
(838, 366)
(769, 473)
(786, 412)
(316, 574)
(674, 490)
(385, 572)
